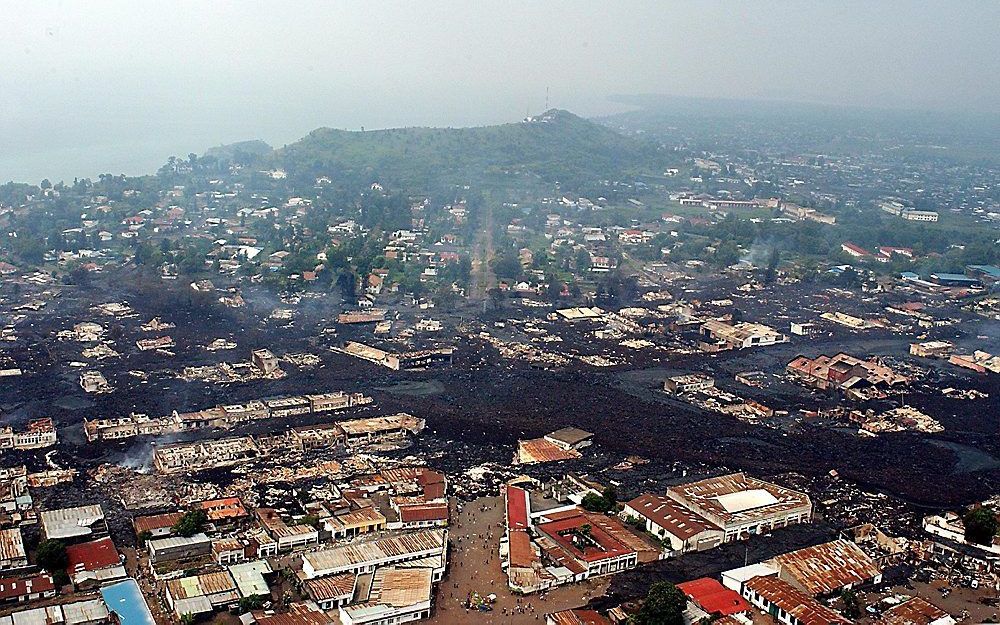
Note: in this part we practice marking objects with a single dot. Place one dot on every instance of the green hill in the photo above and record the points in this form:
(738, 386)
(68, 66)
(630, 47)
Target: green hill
(231, 151)
(556, 146)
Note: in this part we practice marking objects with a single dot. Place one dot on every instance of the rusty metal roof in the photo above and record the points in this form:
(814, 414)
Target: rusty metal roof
(826, 568)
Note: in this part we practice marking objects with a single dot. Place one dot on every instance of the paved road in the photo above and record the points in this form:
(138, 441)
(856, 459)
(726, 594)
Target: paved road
(475, 566)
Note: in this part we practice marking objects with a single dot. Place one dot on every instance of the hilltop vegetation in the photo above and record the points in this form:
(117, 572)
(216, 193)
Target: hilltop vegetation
(556, 147)
(241, 151)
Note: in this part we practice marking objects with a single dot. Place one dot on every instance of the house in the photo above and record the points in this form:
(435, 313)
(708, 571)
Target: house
(742, 335)
(88, 612)
(416, 513)
(157, 525)
(741, 505)
(16, 590)
(12, 554)
(288, 537)
(71, 524)
(297, 614)
(94, 563)
(788, 605)
(201, 594)
(827, 569)
(854, 250)
(576, 616)
(714, 598)
(16, 504)
(570, 438)
(364, 556)
(594, 549)
(226, 551)
(672, 523)
(361, 521)
(396, 595)
(223, 511)
(176, 548)
(916, 611)
(249, 578)
(333, 591)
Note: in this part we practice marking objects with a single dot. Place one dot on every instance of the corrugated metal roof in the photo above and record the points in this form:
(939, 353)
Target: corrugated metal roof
(800, 605)
(376, 550)
(249, 577)
(823, 569)
(11, 544)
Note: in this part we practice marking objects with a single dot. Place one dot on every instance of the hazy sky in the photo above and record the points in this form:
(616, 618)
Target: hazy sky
(98, 86)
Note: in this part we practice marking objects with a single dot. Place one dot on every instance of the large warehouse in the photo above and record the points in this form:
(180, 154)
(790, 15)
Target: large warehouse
(741, 505)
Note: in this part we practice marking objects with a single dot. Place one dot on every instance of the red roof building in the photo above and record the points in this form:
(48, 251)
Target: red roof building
(854, 250)
(517, 509)
(92, 556)
(225, 509)
(713, 597)
(591, 545)
(577, 617)
(94, 563)
(14, 590)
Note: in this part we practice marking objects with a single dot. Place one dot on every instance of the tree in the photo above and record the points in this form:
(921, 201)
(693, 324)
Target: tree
(251, 603)
(191, 523)
(981, 525)
(852, 608)
(508, 266)
(664, 605)
(553, 288)
(51, 555)
(592, 502)
(610, 495)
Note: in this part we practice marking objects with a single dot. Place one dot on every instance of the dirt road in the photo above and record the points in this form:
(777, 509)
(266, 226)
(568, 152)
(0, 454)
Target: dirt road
(475, 566)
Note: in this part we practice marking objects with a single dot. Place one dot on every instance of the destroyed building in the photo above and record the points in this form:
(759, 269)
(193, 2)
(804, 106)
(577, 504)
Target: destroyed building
(16, 504)
(689, 383)
(161, 342)
(852, 375)
(94, 382)
(400, 361)
(38, 434)
(562, 444)
(223, 417)
(264, 360)
(205, 454)
(718, 335)
(360, 431)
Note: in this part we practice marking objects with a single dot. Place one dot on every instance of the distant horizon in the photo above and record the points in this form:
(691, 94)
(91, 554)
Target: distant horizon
(143, 156)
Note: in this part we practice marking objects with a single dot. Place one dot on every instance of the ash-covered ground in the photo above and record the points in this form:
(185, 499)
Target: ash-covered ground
(479, 407)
